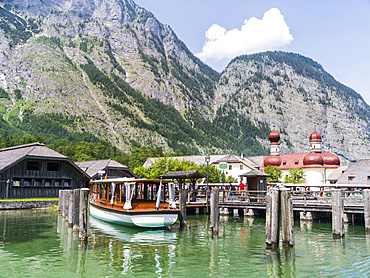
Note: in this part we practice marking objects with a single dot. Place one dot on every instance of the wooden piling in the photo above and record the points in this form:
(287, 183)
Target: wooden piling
(70, 209)
(182, 204)
(61, 202)
(214, 210)
(60, 205)
(235, 212)
(272, 217)
(337, 213)
(76, 210)
(287, 217)
(84, 215)
(248, 212)
(367, 209)
(345, 218)
(66, 204)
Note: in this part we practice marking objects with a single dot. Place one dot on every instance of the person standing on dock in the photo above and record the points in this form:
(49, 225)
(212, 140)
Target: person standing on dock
(241, 185)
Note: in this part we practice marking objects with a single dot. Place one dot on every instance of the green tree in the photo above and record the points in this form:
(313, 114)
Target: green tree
(169, 164)
(274, 172)
(295, 176)
(214, 174)
(165, 165)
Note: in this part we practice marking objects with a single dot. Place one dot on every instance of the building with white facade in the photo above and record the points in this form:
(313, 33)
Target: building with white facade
(317, 165)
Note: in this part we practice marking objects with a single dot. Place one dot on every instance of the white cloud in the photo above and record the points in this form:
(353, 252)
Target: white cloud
(256, 35)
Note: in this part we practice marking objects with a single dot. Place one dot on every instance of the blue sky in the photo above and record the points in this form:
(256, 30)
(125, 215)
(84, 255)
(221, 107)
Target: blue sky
(336, 34)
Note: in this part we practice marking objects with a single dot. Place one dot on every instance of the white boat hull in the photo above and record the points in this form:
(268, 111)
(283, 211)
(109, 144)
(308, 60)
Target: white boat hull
(148, 220)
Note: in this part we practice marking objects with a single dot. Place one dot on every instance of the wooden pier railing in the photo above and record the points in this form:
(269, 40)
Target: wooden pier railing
(313, 201)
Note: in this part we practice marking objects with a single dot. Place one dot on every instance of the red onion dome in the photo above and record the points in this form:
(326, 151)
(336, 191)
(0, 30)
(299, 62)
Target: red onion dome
(274, 136)
(313, 159)
(273, 160)
(315, 137)
(331, 160)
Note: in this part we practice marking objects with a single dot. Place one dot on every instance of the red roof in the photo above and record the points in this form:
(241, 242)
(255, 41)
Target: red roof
(295, 160)
(315, 137)
(313, 160)
(274, 136)
(274, 160)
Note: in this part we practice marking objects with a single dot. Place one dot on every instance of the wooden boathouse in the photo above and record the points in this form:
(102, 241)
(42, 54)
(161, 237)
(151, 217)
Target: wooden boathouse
(36, 171)
(105, 168)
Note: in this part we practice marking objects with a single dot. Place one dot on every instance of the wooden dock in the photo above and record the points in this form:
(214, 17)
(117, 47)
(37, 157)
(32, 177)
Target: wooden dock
(307, 201)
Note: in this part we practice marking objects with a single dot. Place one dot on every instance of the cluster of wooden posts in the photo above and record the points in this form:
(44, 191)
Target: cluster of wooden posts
(338, 215)
(279, 213)
(74, 207)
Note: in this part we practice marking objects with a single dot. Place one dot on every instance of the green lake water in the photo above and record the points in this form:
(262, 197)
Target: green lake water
(38, 243)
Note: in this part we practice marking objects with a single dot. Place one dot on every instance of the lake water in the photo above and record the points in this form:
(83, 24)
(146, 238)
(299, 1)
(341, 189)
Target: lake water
(38, 243)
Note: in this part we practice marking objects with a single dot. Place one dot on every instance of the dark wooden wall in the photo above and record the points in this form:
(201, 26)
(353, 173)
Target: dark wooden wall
(20, 182)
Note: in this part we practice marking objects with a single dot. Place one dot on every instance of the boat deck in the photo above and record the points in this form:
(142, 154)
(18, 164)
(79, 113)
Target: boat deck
(137, 205)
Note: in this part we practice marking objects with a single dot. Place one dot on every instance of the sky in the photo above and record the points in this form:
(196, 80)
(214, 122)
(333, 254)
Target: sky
(334, 33)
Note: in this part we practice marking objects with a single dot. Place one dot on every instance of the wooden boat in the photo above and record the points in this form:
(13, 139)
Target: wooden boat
(134, 202)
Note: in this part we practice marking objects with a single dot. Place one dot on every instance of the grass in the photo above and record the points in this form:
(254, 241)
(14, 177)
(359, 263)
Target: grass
(31, 199)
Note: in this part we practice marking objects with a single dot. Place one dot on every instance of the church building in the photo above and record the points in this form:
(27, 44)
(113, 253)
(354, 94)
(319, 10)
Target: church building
(317, 165)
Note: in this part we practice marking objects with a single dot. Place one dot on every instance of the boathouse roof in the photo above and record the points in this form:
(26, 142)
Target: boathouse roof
(193, 174)
(357, 173)
(93, 167)
(13, 155)
(232, 159)
(197, 159)
(254, 173)
(214, 159)
(337, 173)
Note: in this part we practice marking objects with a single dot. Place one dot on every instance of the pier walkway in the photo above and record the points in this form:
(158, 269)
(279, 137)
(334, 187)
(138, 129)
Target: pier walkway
(306, 201)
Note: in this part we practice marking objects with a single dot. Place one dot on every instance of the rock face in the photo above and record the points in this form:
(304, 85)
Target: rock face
(109, 68)
(294, 95)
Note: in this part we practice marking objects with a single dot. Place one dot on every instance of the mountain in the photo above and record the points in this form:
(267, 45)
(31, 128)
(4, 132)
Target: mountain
(109, 70)
(295, 95)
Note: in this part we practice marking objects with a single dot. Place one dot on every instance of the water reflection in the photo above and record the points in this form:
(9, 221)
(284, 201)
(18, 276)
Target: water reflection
(306, 225)
(127, 249)
(280, 262)
(128, 234)
(40, 244)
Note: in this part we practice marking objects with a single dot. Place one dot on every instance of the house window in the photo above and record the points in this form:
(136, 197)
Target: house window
(27, 183)
(368, 178)
(230, 167)
(52, 166)
(241, 167)
(16, 183)
(48, 183)
(296, 163)
(57, 183)
(67, 183)
(284, 162)
(37, 183)
(33, 166)
(351, 178)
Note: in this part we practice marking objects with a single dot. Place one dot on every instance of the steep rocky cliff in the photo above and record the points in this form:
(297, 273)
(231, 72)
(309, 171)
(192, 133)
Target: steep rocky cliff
(110, 69)
(294, 95)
